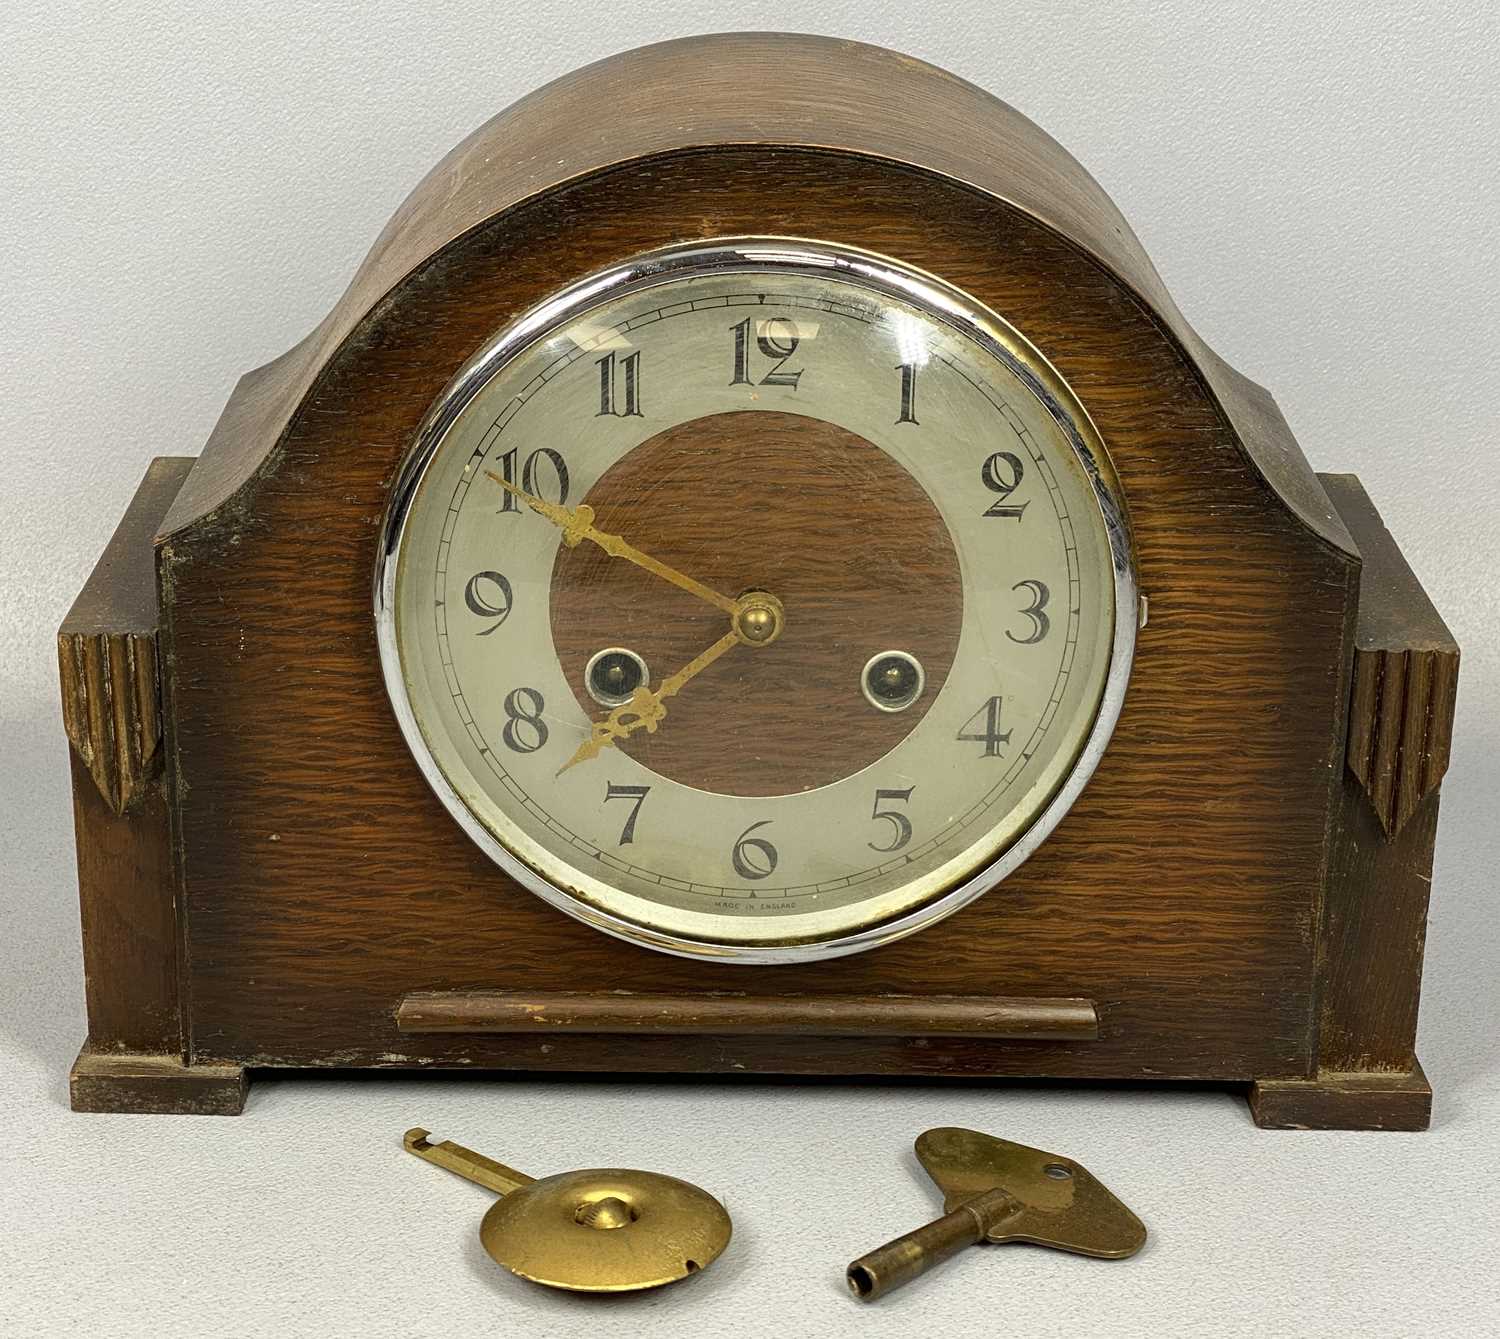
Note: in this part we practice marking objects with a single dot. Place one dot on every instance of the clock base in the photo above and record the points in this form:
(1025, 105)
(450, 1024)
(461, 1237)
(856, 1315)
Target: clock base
(155, 1085)
(1344, 1102)
(163, 1085)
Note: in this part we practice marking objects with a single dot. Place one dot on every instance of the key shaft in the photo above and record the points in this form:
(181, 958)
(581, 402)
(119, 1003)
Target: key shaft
(898, 1262)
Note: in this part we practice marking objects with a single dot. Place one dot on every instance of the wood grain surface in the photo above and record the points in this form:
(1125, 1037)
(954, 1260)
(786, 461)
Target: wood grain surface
(760, 92)
(765, 500)
(105, 1081)
(1374, 1101)
(1385, 821)
(1405, 673)
(127, 886)
(323, 883)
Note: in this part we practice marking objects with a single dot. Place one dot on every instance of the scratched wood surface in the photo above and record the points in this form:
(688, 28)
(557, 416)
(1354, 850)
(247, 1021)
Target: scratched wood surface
(322, 883)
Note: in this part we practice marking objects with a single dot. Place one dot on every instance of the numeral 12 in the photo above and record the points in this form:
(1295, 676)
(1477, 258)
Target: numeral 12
(776, 339)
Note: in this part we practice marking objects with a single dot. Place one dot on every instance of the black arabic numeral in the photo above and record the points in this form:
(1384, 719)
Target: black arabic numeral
(900, 823)
(990, 735)
(529, 476)
(776, 339)
(630, 365)
(1040, 623)
(754, 857)
(485, 603)
(908, 393)
(525, 730)
(1002, 473)
(636, 793)
(508, 469)
(741, 354)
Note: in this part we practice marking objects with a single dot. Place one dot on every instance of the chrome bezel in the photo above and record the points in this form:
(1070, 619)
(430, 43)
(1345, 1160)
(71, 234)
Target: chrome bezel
(875, 273)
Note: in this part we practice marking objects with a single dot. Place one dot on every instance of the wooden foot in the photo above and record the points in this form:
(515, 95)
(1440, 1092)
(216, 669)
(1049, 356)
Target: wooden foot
(107, 1081)
(1344, 1102)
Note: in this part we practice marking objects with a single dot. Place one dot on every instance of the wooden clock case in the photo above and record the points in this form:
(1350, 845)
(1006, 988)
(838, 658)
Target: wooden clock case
(1239, 896)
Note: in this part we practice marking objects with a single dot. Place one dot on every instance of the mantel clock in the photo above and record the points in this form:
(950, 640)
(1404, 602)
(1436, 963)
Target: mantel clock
(755, 574)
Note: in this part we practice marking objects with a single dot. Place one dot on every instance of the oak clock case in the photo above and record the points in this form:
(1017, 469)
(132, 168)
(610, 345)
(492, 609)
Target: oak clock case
(887, 741)
(269, 872)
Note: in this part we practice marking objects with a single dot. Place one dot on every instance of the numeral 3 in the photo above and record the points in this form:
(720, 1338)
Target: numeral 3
(1040, 623)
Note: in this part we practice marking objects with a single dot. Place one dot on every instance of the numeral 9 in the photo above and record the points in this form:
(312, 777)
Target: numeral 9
(488, 595)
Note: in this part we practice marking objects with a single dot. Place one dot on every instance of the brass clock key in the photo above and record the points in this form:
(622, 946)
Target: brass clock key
(995, 1191)
(597, 1230)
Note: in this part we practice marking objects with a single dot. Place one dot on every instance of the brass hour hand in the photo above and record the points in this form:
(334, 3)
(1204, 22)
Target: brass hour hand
(577, 524)
(647, 707)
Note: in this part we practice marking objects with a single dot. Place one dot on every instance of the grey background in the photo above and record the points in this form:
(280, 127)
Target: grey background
(184, 190)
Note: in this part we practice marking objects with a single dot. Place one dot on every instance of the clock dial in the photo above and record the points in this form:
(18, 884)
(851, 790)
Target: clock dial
(765, 600)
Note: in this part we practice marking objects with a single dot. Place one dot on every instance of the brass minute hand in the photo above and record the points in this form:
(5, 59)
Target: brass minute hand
(647, 706)
(577, 524)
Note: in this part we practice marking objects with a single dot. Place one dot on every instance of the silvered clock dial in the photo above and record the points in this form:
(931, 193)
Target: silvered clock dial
(758, 599)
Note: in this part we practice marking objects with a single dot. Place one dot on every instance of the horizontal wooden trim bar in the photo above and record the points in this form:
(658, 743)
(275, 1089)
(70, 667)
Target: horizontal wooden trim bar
(991, 1016)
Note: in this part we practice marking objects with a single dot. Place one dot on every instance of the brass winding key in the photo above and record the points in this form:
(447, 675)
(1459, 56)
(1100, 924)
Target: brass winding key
(598, 1230)
(995, 1191)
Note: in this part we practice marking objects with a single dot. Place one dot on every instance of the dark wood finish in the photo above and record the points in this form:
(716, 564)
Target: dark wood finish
(745, 500)
(1405, 680)
(1385, 822)
(106, 650)
(761, 92)
(154, 1085)
(1344, 1102)
(126, 883)
(1193, 890)
(1179, 893)
(726, 1015)
(1405, 672)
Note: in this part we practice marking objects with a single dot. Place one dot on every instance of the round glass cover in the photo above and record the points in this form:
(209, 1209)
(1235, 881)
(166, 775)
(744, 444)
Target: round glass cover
(759, 599)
